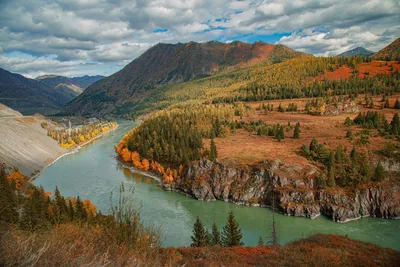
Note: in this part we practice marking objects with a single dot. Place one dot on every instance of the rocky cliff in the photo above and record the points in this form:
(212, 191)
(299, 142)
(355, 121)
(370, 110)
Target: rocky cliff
(291, 188)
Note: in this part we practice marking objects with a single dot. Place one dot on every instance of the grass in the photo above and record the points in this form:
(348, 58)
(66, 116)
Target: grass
(74, 245)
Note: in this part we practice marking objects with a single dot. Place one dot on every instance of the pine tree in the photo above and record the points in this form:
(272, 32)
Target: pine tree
(213, 151)
(200, 236)
(331, 171)
(397, 104)
(7, 198)
(379, 173)
(215, 235)
(260, 242)
(80, 212)
(386, 105)
(395, 124)
(60, 207)
(274, 232)
(231, 233)
(71, 210)
(296, 134)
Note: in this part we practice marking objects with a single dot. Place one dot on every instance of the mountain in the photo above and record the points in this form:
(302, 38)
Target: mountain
(63, 85)
(358, 51)
(390, 52)
(170, 63)
(29, 96)
(85, 81)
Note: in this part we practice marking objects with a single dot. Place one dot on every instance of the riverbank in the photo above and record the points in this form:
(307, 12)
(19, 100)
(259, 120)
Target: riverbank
(272, 183)
(71, 151)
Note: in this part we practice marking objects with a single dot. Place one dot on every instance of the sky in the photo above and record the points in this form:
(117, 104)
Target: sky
(79, 37)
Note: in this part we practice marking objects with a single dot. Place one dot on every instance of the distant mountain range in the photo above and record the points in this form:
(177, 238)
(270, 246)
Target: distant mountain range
(69, 87)
(171, 63)
(46, 95)
(358, 51)
(85, 81)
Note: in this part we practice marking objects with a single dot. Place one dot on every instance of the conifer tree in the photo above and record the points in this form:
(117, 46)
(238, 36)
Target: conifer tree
(274, 232)
(331, 171)
(395, 124)
(231, 233)
(7, 198)
(260, 242)
(71, 210)
(80, 212)
(379, 173)
(296, 134)
(215, 235)
(397, 104)
(60, 207)
(386, 105)
(213, 151)
(200, 236)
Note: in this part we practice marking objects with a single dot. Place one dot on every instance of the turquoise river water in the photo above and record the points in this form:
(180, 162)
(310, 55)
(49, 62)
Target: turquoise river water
(93, 172)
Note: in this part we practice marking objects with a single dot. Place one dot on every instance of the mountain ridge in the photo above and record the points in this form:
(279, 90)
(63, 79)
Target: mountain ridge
(28, 96)
(165, 64)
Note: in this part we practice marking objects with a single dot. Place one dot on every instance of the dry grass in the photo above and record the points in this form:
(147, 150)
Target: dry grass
(243, 148)
(72, 245)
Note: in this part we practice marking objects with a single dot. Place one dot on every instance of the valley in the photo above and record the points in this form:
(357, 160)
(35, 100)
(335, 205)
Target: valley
(278, 132)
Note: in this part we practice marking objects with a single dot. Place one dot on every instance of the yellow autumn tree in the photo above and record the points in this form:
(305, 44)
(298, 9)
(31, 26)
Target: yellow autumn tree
(16, 177)
(89, 207)
(125, 155)
(145, 164)
(136, 160)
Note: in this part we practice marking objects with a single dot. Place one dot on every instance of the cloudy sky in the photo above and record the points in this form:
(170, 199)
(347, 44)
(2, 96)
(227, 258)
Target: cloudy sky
(77, 37)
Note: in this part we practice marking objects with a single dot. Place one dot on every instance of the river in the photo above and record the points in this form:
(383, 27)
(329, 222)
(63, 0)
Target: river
(92, 173)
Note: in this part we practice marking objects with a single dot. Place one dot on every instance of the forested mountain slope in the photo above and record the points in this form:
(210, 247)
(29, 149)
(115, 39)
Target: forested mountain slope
(166, 64)
(390, 52)
(29, 96)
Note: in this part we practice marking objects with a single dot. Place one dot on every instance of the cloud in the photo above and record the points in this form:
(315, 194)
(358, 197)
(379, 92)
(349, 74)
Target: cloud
(85, 36)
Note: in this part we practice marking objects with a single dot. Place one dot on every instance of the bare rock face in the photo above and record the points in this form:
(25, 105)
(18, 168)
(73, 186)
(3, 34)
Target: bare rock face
(291, 188)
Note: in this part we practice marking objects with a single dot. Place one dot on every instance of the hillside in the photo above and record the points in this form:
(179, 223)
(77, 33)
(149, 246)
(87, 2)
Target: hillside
(24, 143)
(390, 52)
(358, 51)
(63, 85)
(29, 96)
(168, 64)
(85, 81)
(6, 112)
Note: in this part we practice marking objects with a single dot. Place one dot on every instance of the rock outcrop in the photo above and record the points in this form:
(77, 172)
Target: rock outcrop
(291, 188)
